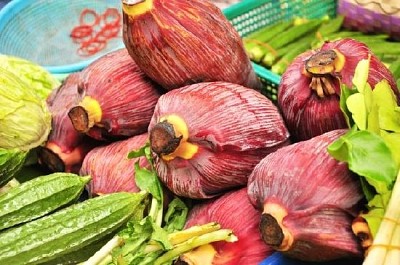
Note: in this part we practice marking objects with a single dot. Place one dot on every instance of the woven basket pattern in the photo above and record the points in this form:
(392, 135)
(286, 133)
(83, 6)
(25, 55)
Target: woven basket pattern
(270, 12)
(38, 30)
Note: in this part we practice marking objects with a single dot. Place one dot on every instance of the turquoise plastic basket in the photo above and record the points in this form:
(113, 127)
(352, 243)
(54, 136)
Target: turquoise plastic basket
(38, 30)
(250, 15)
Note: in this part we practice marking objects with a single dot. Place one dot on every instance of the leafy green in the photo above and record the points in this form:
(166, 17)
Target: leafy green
(372, 147)
(344, 94)
(175, 217)
(25, 121)
(136, 239)
(35, 76)
(361, 74)
(357, 147)
(147, 180)
(356, 105)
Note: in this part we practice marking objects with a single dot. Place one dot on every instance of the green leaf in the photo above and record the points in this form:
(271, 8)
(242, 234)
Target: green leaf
(383, 95)
(144, 241)
(374, 218)
(385, 109)
(377, 206)
(373, 121)
(148, 181)
(361, 74)
(138, 152)
(368, 190)
(356, 105)
(175, 217)
(392, 140)
(368, 98)
(389, 120)
(160, 236)
(380, 200)
(344, 94)
(135, 236)
(338, 149)
(357, 147)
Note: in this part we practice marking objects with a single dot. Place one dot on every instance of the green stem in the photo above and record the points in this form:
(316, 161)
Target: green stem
(156, 211)
(103, 255)
(219, 235)
(153, 209)
(185, 235)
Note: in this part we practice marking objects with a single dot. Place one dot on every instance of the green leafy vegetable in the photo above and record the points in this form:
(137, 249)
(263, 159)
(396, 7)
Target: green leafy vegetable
(175, 217)
(372, 150)
(35, 76)
(25, 120)
(25, 123)
(147, 180)
(357, 147)
(356, 105)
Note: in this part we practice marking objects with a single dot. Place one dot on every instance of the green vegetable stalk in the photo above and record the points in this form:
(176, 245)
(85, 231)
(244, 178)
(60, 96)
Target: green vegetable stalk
(25, 123)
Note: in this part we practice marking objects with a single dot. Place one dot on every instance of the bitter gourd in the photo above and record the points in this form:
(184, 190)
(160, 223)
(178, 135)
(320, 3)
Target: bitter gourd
(68, 229)
(38, 197)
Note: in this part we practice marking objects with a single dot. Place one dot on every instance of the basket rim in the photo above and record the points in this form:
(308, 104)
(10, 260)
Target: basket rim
(15, 6)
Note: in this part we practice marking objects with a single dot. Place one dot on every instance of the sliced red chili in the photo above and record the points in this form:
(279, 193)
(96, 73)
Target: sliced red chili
(95, 30)
(100, 37)
(109, 31)
(89, 17)
(91, 47)
(81, 33)
(111, 17)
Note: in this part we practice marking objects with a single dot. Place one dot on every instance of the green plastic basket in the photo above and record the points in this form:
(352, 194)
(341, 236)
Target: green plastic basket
(251, 15)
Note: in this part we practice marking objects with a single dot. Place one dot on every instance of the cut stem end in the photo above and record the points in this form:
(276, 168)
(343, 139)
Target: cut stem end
(51, 160)
(169, 139)
(273, 232)
(323, 67)
(79, 118)
(163, 140)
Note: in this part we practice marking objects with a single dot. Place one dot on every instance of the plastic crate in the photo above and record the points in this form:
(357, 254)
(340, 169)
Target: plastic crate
(251, 15)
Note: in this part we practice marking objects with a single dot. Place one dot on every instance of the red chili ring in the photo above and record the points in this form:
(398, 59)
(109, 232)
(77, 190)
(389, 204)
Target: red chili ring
(87, 13)
(81, 31)
(100, 37)
(112, 13)
(91, 47)
(109, 32)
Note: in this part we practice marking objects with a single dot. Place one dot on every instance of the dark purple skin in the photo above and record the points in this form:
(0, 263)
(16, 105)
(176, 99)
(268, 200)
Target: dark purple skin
(179, 43)
(233, 126)
(308, 200)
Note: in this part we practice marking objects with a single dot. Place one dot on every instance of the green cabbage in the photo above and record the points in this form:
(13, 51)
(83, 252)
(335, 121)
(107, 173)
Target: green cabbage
(25, 123)
(34, 75)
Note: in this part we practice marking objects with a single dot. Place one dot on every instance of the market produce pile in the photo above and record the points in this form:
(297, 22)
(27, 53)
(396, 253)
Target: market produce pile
(167, 151)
